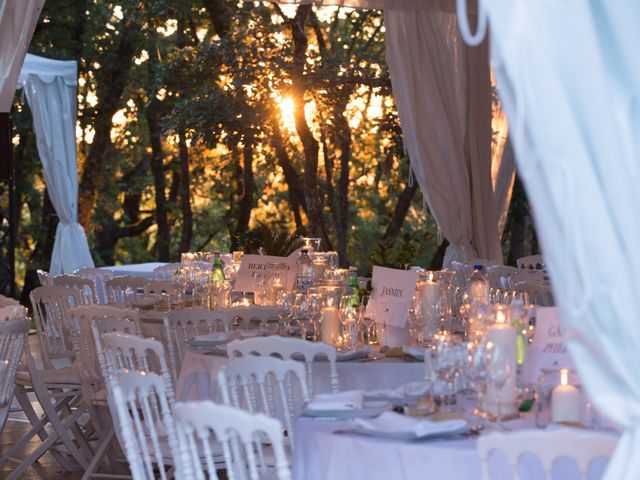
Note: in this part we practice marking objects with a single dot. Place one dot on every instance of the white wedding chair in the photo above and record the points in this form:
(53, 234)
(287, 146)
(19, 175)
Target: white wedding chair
(120, 350)
(141, 407)
(253, 316)
(118, 288)
(265, 385)
(99, 276)
(156, 287)
(57, 333)
(582, 446)
(94, 320)
(532, 262)
(242, 435)
(14, 328)
(184, 324)
(45, 278)
(289, 348)
(499, 276)
(541, 295)
(86, 287)
(59, 392)
(8, 302)
(165, 272)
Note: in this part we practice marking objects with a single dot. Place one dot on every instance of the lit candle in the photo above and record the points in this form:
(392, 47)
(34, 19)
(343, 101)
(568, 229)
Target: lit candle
(565, 401)
(503, 336)
(330, 328)
(429, 292)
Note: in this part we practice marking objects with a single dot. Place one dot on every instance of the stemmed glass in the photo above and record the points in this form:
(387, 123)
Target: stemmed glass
(499, 371)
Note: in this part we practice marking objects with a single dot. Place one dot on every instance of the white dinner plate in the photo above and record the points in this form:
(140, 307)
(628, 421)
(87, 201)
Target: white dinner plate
(397, 433)
(354, 354)
(370, 409)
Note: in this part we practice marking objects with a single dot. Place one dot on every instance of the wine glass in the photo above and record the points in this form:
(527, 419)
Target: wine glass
(499, 371)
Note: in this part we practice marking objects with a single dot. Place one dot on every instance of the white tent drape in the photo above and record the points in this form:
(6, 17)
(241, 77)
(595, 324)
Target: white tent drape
(18, 20)
(443, 93)
(50, 87)
(569, 78)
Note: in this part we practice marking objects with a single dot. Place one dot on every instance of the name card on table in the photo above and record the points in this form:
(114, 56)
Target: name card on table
(549, 347)
(392, 294)
(254, 267)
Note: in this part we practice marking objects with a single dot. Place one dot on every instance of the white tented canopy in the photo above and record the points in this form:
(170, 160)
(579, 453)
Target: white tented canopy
(18, 20)
(443, 93)
(569, 77)
(51, 90)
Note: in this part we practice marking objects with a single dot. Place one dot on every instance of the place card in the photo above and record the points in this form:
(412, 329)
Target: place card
(253, 267)
(549, 347)
(392, 295)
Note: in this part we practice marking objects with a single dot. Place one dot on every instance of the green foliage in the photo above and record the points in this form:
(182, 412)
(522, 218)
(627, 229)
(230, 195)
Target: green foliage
(400, 252)
(263, 239)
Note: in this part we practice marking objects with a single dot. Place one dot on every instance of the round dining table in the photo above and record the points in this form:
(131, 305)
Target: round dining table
(328, 448)
(198, 378)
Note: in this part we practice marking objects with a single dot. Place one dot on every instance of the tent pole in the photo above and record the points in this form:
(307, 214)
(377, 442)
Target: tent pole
(7, 174)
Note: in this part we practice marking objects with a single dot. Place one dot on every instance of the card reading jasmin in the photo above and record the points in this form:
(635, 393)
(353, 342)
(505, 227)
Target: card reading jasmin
(392, 294)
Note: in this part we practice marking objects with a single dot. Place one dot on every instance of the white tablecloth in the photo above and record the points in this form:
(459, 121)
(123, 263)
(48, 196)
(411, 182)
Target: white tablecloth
(320, 454)
(198, 376)
(144, 270)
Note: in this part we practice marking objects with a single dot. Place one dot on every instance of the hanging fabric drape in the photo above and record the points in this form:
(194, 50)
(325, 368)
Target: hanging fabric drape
(18, 20)
(443, 93)
(50, 87)
(503, 171)
(569, 77)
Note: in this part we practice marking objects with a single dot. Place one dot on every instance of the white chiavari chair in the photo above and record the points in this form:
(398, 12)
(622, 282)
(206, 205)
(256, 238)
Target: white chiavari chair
(165, 272)
(95, 320)
(289, 348)
(582, 446)
(57, 332)
(253, 316)
(86, 287)
(8, 302)
(532, 262)
(537, 294)
(120, 350)
(45, 278)
(121, 289)
(265, 385)
(184, 324)
(14, 328)
(242, 435)
(156, 287)
(141, 407)
(99, 276)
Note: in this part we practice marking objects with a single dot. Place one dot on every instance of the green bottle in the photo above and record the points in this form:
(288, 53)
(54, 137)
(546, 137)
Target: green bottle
(217, 273)
(354, 287)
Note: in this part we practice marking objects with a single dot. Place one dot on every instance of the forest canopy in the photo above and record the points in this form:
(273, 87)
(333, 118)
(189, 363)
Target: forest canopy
(201, 120)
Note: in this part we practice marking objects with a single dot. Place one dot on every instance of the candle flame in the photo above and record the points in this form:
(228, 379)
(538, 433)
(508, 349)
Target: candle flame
(431, 276)
(564, 376)
(500, 317)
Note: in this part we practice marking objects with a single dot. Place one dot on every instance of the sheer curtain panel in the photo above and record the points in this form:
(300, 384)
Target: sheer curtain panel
(17, 21)
(442, 90)
(50, 87)
(569, 77)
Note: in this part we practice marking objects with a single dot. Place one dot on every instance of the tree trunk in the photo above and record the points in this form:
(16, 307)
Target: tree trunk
(185, 194)
(163, 237)
(246, 203)
(343, 135)
(309, 143)
(219, 16)
(400, 211)
(518, 211)
(111, 79)
(438, 257)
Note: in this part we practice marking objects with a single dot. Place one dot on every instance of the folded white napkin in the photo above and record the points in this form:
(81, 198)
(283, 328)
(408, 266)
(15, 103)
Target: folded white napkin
(394, 393)
(350, 400)
(354, 353)
(391, 422)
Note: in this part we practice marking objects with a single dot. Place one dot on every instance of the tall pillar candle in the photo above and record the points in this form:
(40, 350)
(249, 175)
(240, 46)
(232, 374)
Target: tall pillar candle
(565, 401)
(330, 328)
(503, 336)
